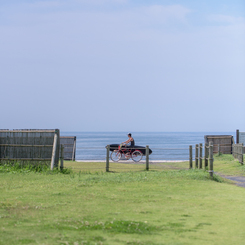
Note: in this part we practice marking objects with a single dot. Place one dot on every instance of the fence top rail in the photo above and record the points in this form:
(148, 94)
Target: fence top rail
(20, 145)
(34, 159)
(219, 136)
(28, 130)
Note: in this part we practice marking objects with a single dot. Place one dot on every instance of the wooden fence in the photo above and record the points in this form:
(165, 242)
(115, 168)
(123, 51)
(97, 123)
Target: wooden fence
(221, 143)
(30, 145)
(205, 162)
(238, 152)
(69, 143)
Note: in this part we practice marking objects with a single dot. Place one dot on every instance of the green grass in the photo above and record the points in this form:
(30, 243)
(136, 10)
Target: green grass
(93, 167)
(135, 207)
(227, 165)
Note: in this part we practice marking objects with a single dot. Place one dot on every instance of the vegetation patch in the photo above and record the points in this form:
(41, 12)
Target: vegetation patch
(226, 164)
(27, 167)
(114, 226)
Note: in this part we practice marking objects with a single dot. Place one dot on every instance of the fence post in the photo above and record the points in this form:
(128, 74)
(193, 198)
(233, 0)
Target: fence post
(196, 157)
(190, 157)
(206, 155)
(62, 157)
(54, 151)
(241, 152)
(211, 159)
(200, 156)
(147, 157)
(107, 157)
(237, 136)
(74, 147)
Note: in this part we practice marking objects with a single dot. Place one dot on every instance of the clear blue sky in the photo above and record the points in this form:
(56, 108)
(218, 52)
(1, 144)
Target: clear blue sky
(123, 65)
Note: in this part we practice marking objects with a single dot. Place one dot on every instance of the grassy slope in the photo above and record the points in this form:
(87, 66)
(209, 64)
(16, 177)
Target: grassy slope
(227, 165)
(155, 207)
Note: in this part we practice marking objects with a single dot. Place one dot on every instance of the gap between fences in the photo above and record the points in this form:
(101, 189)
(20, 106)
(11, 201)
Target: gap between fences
(208, 157)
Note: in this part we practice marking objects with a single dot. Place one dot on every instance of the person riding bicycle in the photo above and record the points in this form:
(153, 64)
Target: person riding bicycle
(130, 140)
(125, 152)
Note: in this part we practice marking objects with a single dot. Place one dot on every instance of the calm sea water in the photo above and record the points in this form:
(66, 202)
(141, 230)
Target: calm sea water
(165, 145)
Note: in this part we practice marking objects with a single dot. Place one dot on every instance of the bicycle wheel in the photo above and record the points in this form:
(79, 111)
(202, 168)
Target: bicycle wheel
(116, 155)
(137, 156)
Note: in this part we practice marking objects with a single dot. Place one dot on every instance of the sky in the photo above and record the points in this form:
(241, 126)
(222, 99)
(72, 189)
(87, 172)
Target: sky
(123, 65)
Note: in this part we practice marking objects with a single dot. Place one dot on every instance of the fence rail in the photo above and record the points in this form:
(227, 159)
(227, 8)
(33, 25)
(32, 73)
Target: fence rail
(21, 145)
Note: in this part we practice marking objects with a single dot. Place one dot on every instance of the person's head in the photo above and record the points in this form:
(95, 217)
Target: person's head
(129, 135)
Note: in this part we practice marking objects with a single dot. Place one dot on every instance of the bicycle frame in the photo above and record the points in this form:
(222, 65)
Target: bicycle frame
(127, 152)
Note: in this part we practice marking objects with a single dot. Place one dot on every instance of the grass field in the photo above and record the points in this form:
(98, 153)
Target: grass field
(118, 167)
(132, 207)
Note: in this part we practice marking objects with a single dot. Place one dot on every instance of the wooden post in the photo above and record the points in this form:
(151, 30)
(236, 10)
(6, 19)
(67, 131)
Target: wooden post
(62, 157)
(211, 159)
(74, 149)
(196, 157)
(200, 156)
(206, 155)
(107, 157)
(57, 153)
(54, 151)
(237, 136)
(242, 154)
(147, 157)
(190, 157)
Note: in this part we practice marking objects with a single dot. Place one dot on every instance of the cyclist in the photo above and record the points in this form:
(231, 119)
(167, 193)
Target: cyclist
(130, 140)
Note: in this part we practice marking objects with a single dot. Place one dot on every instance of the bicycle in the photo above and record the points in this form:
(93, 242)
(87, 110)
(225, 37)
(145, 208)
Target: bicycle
(128, 153)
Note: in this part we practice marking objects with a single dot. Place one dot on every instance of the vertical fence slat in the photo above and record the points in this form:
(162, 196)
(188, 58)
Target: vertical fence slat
(190, 156)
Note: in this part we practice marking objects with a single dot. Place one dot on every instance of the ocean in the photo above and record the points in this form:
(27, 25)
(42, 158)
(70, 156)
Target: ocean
(169, 146)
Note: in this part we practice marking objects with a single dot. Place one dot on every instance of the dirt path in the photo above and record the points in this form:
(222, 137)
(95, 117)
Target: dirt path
(239, 180)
